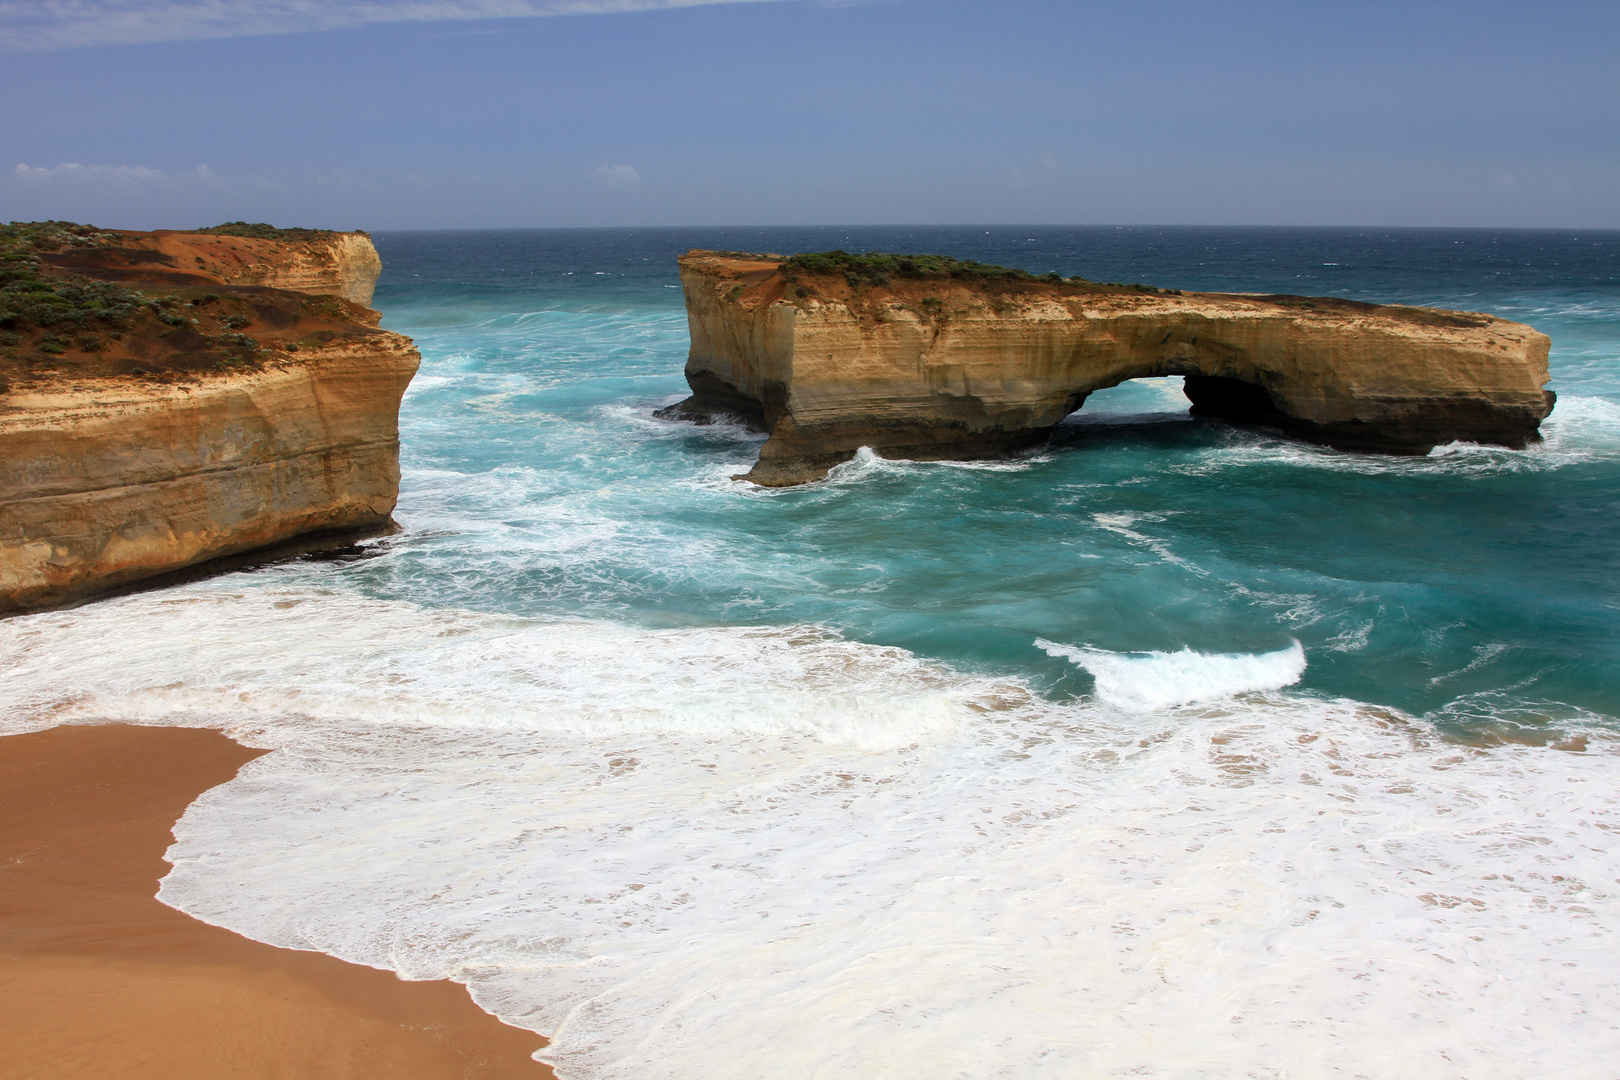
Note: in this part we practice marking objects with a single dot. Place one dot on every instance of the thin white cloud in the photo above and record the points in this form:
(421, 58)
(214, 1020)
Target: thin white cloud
(107, 176)
(40, 25)
(617, 176)
(68, 171)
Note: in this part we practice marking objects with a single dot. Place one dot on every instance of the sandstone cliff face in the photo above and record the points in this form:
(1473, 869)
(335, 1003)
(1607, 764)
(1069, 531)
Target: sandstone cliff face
(939, 369)
(105, 484)
(153, 418)
(337, 264)
(326, 264)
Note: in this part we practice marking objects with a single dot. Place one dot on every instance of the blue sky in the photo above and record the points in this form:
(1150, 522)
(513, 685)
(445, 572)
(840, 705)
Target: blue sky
(494, 113)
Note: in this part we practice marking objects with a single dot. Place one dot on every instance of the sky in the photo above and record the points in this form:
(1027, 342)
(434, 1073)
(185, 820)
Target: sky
(438, 114)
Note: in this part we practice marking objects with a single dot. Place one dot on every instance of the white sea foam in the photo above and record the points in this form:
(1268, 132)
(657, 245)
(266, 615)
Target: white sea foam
(1353, 638)
(864, 467)
(867, 463)
(421, 384)
(1142, 682)
(1580, 430)
(640, 419)
(1583, 423)
(745, 852)
(1125, 525)
(1015, 464)
(412, 667)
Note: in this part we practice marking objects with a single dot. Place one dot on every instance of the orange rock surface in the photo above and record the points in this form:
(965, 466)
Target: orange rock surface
(218, 419)
(327, 264)
(934, 367)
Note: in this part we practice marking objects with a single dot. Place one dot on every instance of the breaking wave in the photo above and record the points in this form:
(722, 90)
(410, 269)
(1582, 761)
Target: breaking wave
(1142, 682)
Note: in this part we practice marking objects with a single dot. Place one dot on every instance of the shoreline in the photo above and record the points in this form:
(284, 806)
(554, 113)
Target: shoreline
(97, 977)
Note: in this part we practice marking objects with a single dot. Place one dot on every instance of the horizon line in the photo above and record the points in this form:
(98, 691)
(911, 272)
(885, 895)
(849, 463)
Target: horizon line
(1016, 225)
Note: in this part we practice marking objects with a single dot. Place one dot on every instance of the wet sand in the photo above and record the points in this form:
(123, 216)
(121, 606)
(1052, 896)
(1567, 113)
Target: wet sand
(98, 979)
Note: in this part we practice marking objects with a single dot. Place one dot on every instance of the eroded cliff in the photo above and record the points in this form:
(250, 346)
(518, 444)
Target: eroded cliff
(153, 418)
(314, 261)
(924, 358)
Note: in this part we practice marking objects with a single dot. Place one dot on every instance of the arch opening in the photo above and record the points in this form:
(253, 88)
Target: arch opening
(1146, 397)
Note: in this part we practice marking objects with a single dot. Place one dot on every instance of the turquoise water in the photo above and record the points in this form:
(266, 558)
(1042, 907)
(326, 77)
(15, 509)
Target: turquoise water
(1171, 749)
(1423, 585)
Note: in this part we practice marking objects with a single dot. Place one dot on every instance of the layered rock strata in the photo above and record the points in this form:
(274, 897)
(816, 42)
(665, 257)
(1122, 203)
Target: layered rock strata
(930, 365)
(208, 421)
(320, 263)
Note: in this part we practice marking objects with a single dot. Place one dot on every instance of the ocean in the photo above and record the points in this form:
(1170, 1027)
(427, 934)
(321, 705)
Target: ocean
(1171, 749)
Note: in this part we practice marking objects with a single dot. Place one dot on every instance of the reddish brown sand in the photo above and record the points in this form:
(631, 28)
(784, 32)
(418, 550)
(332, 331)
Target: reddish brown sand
(98, 979)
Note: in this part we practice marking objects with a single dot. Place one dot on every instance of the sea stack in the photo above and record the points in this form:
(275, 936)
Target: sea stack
(170, 398)
(927, 358)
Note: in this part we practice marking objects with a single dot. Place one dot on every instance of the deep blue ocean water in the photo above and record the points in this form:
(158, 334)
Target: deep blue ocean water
(1171, 749)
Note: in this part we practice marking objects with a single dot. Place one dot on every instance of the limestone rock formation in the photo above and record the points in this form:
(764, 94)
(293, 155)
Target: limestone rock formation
(179, 418)
(940, 360)
(312, 261)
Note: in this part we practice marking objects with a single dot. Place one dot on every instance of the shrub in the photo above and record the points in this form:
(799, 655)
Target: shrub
(877, 268)
(29, 297)
(1137, 286)
(259, 230)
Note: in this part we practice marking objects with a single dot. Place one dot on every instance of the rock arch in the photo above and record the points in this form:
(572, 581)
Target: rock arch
(928, 369)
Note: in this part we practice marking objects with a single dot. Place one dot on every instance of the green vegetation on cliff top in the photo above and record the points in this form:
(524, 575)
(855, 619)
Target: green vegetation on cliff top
(29, 298)
(32, 298)
(879, 267)
(258, 230)
(56, 322)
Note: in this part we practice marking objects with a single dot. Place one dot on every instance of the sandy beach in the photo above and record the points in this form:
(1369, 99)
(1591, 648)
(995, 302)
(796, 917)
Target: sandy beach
(97, 978)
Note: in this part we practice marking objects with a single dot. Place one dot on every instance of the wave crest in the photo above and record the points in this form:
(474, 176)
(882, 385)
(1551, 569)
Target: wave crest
(1143, 682)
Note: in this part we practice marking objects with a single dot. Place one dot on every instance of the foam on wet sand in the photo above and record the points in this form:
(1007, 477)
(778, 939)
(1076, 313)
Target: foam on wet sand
(97, 978)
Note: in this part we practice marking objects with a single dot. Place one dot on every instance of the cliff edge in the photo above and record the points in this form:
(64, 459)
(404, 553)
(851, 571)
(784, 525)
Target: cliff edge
(315, 261)
(925, 357)
(162, 405)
